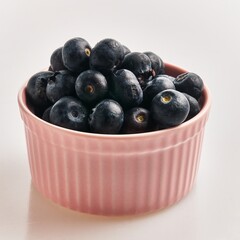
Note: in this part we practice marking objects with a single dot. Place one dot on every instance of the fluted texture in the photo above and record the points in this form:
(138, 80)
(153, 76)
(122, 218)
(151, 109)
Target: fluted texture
(113, 175)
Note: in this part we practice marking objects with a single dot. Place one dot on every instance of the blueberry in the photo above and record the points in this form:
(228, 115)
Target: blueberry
(156, 62)
(69, 112)
(107, 117)
(61, 84)
(126, 89)
(75, 54)
(189, 83)
(36, 89)
(91, 87)
(106, 55)
(170, 108)
(126, 50)
(137, 120)
(140, 65)
(46, 114)
(167, 76)
(194, 106)
(56, 60)
(155, 86)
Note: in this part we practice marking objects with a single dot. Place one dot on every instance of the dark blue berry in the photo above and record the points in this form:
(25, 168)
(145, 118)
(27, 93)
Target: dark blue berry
(170, 108)
(167, 76)
(156, 62)
(107, 117)
(137, 120)
(126, 50)
(46, 114)
(91, 87)
(140, 65)
(75, 54)
(126, 89)
(155, 86)
(194, 106)
(36, 89)
(56, 60)
(61, 84)
(69, 112)
(106, 55)
(189, 83)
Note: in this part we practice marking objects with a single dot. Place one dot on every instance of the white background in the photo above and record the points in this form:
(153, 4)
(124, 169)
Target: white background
(201, 36)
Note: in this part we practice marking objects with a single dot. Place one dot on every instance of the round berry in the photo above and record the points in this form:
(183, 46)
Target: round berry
(140, 65)
(156, 62)
(107, 117)
(69, 112)
(194, 106)
(126, 50)
(36, 89)
(189, 83)
(126, 89)
(155, 86)
(56, 60)
(75, 54)
(61, 84)
(91, 87)
(137, 120)
(170, 108)
(106, 55)
(46, 114)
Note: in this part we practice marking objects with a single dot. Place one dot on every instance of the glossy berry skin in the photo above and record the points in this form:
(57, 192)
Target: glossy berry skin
(107, 117)
(126, 50)
(189, 83)
(75, 54)
(126, 89)
(56, 61)
(46, 114)
(167, 76)
(91, 87)
(137, 120)
(169, 108)
(106, 56)
(69, 112)
(140, 65)
(60, 85)
(156, 62)
(36, 89)
(194, 106)
(155, 86)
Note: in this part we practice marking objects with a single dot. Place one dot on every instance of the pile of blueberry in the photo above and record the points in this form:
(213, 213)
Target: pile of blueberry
(110, 90)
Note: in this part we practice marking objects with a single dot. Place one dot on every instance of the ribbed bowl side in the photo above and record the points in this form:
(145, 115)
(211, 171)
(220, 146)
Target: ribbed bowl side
(113, 177)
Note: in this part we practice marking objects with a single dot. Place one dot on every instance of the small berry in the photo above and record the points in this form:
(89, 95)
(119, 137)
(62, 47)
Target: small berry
(69, 112)
(75, 54)
(137, 120)
(170, 108)
(36, 89)
(106, 56)
(107, 117)
(56, 60)
(126, 89)
(140, 65)
(61, 84)
(91, 87)
(156, 62)
(189, 83)
(155, 86)
(194, 106)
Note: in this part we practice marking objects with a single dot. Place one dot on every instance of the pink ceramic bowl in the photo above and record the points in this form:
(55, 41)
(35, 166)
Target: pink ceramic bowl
(114, 174)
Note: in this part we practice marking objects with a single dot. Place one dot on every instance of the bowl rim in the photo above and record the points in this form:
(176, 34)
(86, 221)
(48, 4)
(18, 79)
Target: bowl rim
(204, 110)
